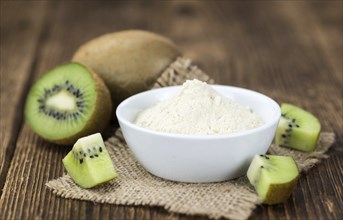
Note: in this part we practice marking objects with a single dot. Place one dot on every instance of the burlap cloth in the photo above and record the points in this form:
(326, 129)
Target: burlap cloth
(234, 199)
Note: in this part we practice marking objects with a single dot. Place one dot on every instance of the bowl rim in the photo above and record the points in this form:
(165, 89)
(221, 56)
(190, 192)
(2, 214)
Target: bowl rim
(266, 125)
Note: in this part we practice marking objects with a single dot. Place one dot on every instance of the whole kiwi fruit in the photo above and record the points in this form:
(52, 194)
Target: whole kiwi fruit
(128, 61)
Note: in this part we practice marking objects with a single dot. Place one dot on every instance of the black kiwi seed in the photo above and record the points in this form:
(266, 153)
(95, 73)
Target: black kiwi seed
(91, 156)
(96, 155)
(262, 166)
(70, 86)
(100, 149)
(81, 161)
(290, 125)
(283, 135)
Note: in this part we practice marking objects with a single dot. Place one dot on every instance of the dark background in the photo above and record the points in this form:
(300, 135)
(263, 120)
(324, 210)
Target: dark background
(289, 50)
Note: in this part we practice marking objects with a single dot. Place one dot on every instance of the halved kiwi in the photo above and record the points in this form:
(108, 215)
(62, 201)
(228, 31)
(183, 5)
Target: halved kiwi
(68, 102)
(297, 129)
(274, 177)
(89, 163)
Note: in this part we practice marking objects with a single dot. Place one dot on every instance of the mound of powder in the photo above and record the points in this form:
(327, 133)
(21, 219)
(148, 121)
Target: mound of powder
(197, 109)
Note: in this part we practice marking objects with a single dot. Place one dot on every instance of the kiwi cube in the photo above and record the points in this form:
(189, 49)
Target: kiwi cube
(298, 129)
(89, 163)
(274, 177)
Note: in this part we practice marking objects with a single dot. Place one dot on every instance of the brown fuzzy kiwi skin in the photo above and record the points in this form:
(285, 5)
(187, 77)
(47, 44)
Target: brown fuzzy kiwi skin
(279, 193)
(128, 61)
(100, 117)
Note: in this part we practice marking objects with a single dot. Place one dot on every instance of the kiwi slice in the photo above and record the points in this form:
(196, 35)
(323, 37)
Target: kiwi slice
(89, 163)
(274, 177)
(297, 129)
(68, 102)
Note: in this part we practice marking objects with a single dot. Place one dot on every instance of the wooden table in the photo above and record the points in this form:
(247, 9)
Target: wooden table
(289, 50)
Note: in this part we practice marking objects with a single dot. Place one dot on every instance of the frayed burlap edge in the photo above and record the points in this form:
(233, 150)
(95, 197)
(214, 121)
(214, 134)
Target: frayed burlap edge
(233, 199)
(179, 71)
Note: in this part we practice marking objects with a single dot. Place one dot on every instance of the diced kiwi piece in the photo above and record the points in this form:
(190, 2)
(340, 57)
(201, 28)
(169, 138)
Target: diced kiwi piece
(128, 61)
(89, 163)
(274, 177)
(68, 102)
(297, 129)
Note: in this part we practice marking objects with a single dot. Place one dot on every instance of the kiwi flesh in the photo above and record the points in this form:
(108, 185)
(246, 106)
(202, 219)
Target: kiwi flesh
(68, 102)
(297, 129)
(128, 61)
(89, 163)
(274, 177)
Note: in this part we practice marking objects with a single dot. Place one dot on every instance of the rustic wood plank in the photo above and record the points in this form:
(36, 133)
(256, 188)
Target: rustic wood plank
(35, 159)
(19, 40)
(263, 46)
(313, 63)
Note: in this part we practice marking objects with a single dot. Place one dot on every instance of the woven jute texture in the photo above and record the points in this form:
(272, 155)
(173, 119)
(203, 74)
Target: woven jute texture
(234, 199)
(180, 71)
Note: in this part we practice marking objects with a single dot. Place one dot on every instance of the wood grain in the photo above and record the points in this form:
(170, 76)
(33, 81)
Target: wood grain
(19, 42)
(290, 50)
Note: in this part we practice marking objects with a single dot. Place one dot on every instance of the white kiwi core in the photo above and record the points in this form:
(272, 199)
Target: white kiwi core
(62, 101)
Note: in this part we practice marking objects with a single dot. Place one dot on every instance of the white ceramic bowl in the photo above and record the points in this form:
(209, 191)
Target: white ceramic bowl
(192, 158)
